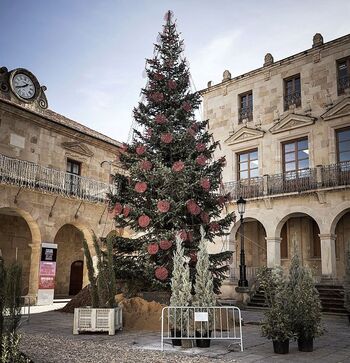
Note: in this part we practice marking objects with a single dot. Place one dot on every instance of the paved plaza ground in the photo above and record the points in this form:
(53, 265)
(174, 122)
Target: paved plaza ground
(47, 337)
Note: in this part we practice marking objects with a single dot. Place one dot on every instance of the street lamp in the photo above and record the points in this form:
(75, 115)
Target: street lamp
(242, 282)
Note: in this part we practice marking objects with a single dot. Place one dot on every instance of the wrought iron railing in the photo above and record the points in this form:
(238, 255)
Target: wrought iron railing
(48, 180)
(293, 181)
(336, 174)
(251, 273)
(292, 99)
(246, 188)
(246, 113)
(306, 180)
(343, 84)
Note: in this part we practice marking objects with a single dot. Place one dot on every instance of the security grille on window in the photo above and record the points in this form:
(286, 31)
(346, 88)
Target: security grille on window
(296, 158)
(248, 165)
(292, 92)
(73, 172)
(246, 107)
(343, 67)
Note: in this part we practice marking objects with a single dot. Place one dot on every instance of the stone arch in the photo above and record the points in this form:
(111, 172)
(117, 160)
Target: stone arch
(336, 214)
(31, 264)
(69, 238)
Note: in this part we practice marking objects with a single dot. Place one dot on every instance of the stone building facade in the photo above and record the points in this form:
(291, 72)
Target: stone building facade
(54, 175)
(285, 131)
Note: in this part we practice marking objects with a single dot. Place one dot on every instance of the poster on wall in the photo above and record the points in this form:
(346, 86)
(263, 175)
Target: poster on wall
(47, 273)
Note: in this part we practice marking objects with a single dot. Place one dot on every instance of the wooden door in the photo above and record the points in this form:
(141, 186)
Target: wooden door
(76, 277)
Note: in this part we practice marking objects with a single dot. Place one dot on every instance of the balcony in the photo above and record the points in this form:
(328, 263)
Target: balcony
(245, 113)
(28, 175)
(292, 99)
(302, 181)
(343, 84)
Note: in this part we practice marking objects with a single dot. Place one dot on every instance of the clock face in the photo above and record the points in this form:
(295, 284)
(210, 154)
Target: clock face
(23, 86)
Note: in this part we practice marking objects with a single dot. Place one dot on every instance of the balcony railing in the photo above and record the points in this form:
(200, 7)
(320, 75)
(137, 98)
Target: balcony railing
(246, 113)
(343, 84)
(301, 181)
(292, 99)
(29, 175)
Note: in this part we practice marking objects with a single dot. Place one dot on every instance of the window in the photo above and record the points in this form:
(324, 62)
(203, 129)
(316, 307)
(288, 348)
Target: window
(292, 92)
(343, 145)
(248, 164)
(343, 69)
(72, 181)
(295, 155)
(73, 167)
(246, 106)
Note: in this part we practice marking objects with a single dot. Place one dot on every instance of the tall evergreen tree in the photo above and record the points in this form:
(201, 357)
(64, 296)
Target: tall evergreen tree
(172, 180)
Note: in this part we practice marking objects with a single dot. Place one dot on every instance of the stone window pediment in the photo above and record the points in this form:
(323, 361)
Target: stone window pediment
(244, 134)
(292, 121)
(341, 109)
(77, 147)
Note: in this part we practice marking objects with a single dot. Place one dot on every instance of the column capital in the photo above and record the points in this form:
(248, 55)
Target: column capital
(34, 246)
(329, 236)
(273, 239)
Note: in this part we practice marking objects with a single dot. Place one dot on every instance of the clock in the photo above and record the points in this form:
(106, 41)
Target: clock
(24, 85)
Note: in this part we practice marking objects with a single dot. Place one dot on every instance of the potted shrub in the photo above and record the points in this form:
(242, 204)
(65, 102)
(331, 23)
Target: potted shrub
(347, 285)
(180, 293)
(103, 315)
(204, 291)
(276, 324)
(305, 305)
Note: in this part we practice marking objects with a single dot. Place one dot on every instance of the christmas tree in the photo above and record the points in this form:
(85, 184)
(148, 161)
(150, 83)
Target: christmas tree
(173, 182)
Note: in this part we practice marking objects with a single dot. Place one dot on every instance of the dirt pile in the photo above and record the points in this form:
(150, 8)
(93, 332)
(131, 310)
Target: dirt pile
(81, 299)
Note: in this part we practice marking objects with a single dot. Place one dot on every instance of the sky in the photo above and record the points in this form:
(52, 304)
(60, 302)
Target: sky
(90, 54)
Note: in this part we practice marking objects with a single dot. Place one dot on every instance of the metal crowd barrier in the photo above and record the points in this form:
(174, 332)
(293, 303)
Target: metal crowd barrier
(190, 322)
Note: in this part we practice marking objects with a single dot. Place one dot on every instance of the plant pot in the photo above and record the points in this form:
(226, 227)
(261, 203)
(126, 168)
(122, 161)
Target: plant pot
(177, 333)
(306, 344)
(281, 347)
(186, 343)
(203, 343)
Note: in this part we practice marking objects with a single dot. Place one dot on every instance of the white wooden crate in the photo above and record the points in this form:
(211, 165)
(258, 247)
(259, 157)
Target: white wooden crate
(97, 319)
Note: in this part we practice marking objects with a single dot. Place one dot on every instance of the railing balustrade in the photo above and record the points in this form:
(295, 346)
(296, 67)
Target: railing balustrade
(306, 180)
(251, 273)
(48, 180)
(343, 84)
(292, 99)
(246, 113)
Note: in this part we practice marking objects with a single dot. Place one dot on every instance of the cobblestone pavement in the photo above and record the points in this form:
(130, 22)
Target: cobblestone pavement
(48, 337)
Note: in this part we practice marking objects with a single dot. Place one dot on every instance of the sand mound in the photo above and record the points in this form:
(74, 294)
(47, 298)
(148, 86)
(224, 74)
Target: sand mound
(138, 314)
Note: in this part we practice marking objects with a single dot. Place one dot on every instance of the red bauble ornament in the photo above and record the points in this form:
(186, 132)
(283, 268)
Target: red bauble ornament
(160, 119)
(205, 184)
(191, 132)
(153, 248)
(200, 147)
(158, 76)
(201, 160)
(178, 166)
(140, 187)
(163, 206)
(165, 244)
(145, 165)
(187, 106)
(166, 138)
(117, 209)
(161, 273)
(157, 97)
(172, 84)
(140, 150)
(214, 226)
(126, 211)
(144, 221)
(204, 217)
(183, 235)
(221, 200)
(193, 207)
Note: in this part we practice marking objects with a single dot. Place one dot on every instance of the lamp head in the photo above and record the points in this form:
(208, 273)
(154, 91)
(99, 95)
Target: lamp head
(241, 205)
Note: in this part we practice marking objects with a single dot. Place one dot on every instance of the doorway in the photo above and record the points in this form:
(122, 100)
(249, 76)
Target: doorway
(76, 277)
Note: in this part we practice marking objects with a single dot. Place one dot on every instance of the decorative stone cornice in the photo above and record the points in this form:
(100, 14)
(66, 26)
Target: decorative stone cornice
(244, 134)
(77, 147)
(340, 109)
(292, 121)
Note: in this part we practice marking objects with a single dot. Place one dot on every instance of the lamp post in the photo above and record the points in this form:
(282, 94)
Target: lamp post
(242, 267)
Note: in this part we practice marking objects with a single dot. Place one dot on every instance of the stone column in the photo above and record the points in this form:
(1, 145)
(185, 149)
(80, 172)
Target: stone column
(34, 269)
(328, 261)
(273, 251)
